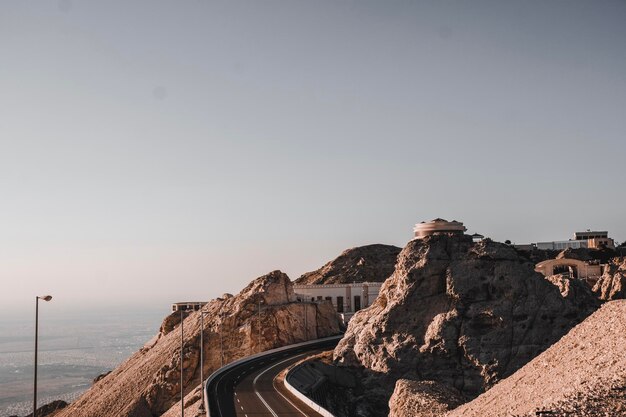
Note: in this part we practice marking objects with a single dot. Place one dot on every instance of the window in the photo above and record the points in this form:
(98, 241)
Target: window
(357, 303)
(339, 304)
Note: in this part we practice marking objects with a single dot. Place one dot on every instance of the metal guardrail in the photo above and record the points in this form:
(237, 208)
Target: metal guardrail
(208, 385)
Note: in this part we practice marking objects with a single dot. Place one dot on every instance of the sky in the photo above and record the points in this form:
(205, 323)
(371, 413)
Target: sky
(159, 151)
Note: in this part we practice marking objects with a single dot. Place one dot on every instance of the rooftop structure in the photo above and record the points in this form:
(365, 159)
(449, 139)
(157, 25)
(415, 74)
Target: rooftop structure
(477, 237)
(188, 306)
(590, 235)
(424, 229)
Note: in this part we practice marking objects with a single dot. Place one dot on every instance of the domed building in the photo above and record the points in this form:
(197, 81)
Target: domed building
(438, 225)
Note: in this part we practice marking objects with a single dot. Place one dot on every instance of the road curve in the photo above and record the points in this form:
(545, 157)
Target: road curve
(246, 388)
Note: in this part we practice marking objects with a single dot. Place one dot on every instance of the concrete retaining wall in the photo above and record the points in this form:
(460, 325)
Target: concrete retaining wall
(303, 397)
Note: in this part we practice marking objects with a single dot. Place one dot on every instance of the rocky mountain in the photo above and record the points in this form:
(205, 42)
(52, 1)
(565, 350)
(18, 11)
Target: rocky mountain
(373, 263)
(461, 314)
(583, 374)
(148, 383)
(612, 284)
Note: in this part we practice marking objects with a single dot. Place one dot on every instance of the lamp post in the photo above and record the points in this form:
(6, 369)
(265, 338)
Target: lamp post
(202, 313)
(182, 332)
(45, 298)
(306, 329)
(259, 320)
(221, 341)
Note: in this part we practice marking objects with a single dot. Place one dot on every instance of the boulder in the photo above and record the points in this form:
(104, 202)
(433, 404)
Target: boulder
(422, 399)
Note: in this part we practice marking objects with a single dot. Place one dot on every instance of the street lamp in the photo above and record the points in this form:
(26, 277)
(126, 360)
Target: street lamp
(202, 313)
(182, 344)
(45, 298)
(221, 340)
(259, 321)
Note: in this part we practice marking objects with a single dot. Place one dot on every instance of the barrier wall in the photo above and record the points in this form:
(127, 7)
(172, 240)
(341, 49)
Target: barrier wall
(315, 406)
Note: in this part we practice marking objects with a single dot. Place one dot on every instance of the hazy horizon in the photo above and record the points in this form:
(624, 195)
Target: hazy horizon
(154, 152)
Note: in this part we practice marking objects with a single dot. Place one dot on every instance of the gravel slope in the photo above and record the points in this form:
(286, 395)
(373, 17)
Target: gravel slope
(584, 374)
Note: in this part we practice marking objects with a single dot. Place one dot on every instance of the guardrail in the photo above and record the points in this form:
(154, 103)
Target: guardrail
(312, 404)
(208, 385)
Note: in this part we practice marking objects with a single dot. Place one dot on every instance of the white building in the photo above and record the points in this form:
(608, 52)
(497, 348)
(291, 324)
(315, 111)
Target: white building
(188, 305)
(589, 239)
(346, 298)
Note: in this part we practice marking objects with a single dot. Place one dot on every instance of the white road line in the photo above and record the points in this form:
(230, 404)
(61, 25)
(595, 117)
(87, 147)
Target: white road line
(238, 400)
(264, 371)
(288, 400)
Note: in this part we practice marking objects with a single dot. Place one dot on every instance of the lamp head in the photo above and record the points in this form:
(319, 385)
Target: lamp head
(46, 297)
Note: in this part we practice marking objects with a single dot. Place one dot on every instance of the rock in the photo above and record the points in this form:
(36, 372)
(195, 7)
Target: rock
(581, 254)
(575, 290)
(148, 383)
(169, 323)
(612, 284)
(49, 409)
(422, 399)
(371, 263)
(583, 374)
(101, 377)
(459, 313)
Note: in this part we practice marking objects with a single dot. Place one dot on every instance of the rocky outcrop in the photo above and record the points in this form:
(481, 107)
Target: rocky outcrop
(459, 313)
(581, 254)
(422, 399)
(612, 284)
(583, 374)
(574, 290)
(148, 383)
(371, 263)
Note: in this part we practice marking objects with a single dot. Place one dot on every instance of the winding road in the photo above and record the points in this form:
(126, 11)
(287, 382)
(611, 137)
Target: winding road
(251, 389)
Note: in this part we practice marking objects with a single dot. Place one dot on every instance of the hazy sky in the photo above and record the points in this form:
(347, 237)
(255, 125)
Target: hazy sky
(156, 151)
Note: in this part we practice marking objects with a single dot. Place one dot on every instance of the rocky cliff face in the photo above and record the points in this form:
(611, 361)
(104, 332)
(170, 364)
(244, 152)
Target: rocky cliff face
(583, 374)
(459, 313)
(612, 284)
(148, 383)
(373, 263)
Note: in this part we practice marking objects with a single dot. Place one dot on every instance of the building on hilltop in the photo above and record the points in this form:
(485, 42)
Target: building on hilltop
(347, 299)
(438, 225)
(589, 271)
(477, 237)
(589, 239)
(188, 306)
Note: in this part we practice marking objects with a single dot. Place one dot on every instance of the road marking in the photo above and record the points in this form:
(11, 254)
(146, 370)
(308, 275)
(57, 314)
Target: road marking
(264, 371)
(288, 400)
(238, 400)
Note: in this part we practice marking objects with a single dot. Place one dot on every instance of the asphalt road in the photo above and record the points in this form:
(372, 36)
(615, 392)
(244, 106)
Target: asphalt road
(249, 390)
